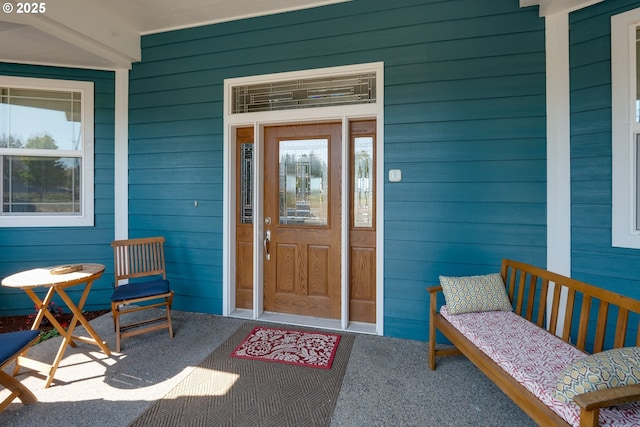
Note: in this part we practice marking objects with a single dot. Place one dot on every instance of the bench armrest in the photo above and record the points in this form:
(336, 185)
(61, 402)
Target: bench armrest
(433, 303)
(591, 402)
(433, 309)
(434, 289)
(608, 397)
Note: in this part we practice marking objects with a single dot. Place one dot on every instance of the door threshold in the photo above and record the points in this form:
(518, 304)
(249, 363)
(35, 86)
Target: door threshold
(306, 321)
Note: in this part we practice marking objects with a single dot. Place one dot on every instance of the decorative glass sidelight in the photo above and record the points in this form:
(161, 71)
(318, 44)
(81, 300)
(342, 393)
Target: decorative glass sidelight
(304, 186)
(363, 182)
(246, 183)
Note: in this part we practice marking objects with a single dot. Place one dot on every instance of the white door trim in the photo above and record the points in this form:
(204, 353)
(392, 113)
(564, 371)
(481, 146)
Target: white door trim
(310, 115)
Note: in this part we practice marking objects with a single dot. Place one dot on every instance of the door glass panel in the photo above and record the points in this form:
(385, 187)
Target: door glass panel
(363, 182)
(304, 182)
(246, 183)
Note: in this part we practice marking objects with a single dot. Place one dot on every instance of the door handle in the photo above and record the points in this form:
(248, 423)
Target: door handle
(266, 241)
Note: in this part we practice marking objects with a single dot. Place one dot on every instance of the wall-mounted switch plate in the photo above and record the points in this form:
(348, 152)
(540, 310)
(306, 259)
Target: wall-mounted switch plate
(395, 175)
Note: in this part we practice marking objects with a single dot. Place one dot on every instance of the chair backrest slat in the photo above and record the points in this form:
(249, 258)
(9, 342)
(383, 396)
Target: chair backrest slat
(135, 258)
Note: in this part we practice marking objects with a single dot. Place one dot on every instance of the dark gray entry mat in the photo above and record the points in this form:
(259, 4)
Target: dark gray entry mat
(227, 391)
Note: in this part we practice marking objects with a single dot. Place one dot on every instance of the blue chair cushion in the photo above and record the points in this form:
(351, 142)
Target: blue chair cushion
(140, 290)
(12, 342)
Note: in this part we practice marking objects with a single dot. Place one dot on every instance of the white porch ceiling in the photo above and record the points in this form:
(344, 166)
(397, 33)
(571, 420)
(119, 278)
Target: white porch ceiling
(105, 34)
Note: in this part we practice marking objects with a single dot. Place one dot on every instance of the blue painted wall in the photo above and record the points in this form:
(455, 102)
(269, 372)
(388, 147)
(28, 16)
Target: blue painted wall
(24, 248)
(594, 259)
(464, 121)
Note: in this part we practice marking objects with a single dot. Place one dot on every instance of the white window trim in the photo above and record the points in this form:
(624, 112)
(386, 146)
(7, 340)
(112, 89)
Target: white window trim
(86, 216)
(623, 90)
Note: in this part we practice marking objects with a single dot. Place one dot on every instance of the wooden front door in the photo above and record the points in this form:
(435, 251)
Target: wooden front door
(302, 219)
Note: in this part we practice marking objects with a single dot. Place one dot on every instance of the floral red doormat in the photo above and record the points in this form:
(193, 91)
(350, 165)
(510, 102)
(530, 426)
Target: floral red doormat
(302, 348)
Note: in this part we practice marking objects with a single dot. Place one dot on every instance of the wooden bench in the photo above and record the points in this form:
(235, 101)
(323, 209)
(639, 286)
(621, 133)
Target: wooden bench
(12, 344)
(590, 318)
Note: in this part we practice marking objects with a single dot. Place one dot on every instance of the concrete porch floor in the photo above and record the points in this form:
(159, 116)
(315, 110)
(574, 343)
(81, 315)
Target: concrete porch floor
(387, 382)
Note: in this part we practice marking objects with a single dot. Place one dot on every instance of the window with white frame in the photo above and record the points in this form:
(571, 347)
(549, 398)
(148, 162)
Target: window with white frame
(46, 152)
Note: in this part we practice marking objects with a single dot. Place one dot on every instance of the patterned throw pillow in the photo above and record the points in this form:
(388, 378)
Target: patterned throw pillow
(608, 369)
(475, 294)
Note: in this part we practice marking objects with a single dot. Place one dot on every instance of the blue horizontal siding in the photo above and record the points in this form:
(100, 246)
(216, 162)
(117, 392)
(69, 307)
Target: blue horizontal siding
(471, 89)
(459, 212)
(469, 192)
(594, 260)
(467, 150)
(26, 248)
(453, 259)
(408, 329)
(470, 233)
(407, 72)
(476, 109)
(464, 130)
(469, 171)
(464, 120)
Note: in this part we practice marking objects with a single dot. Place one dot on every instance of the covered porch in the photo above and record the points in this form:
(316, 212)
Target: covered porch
(454, 107)
(494, 131)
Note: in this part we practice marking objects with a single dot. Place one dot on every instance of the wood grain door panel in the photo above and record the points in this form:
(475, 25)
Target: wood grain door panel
(303, 273)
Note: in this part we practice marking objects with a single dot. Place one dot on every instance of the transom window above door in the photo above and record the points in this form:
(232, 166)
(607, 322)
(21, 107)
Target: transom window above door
(358, 88)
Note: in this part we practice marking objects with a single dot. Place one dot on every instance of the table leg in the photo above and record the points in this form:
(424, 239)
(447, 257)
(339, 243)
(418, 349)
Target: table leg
(43, 311)
(40, 305)
(79, 317)
(56, 362)
(68, 334)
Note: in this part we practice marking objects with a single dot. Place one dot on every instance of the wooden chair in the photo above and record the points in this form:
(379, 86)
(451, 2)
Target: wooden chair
(12, 345)
(140, 263)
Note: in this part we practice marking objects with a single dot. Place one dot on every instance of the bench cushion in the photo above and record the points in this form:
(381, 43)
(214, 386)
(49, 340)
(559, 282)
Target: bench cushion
(533, 357)
(12, 342)
(475, 293)
(140, 290)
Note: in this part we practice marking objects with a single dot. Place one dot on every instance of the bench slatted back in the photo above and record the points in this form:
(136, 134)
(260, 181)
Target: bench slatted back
(554, 301)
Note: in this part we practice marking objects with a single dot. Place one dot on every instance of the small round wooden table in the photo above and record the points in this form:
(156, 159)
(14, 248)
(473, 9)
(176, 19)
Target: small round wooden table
(57, 279)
